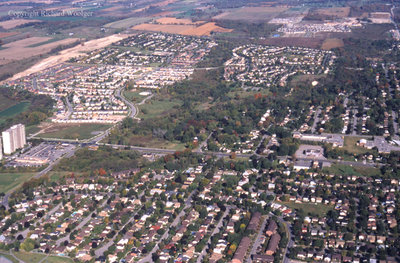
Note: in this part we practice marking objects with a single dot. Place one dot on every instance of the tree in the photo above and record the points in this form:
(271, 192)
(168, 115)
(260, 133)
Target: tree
(28, 245)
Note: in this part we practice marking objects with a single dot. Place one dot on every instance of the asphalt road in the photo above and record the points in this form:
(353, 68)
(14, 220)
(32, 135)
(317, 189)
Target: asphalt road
(215, 231)
(257, 243)
(133, 110)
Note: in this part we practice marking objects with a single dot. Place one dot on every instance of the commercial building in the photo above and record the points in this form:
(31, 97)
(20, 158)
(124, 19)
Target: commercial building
(13, 138)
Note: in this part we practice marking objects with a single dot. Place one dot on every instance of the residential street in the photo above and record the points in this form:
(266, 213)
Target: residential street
(177, 220)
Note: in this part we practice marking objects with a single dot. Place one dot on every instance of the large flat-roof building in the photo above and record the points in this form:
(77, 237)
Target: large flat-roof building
(13, 138)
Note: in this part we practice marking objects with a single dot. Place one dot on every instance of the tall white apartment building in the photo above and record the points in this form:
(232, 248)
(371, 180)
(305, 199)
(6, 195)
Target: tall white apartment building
(14, 138)
(1, 151)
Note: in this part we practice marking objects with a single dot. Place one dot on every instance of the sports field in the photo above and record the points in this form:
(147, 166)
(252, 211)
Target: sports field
(74, 131)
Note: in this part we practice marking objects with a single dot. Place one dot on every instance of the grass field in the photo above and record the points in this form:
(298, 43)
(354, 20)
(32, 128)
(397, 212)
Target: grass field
(9, 181)
(6, 256)
(29, 257)
(54, 259)
(149, 141)
(82, 131)
(340, 169)
(316, 209)
(134, 96)
(128, 22)
(31, 129)
(350, 145)
(14, 110)
(156, 108)
(33, 257)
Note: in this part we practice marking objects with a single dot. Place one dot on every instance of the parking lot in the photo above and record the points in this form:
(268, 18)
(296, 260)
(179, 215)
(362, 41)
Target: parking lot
(42, 154)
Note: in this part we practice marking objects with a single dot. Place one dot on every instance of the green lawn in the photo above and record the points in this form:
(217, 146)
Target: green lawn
(31, 129)
(156, 108)
(317, 209)
(34, 257)
(149, 141)
(9, 181)
(340, 169)
(29, 257)
(350, 145)
(7, 256)
(54, 259)
(134, 96)
(14, 110)
(82, 131)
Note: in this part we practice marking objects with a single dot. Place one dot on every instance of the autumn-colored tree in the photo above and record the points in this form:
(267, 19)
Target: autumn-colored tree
(102, 172)
(232, 247)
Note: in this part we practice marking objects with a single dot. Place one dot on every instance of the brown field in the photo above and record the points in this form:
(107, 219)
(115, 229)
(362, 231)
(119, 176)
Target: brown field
(252, 13)
(15, 22)
(176, 21)
(206, 29)
(21, 49)
(27, 42)
(7, 34)
(334, 11)
(331, 43)
(190, 30)
(66, 54)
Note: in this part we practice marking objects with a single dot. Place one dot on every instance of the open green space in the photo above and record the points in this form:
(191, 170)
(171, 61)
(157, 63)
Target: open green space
(316, 209)
(81, 132)
(7, 256)
(55, 259)
(128, 22)
(31, 129)
(341, 169)
(134, 95)
(29, 257)
(350, 145)
(14, 110)
(9, 181)
(156, 108)
(149, 141)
